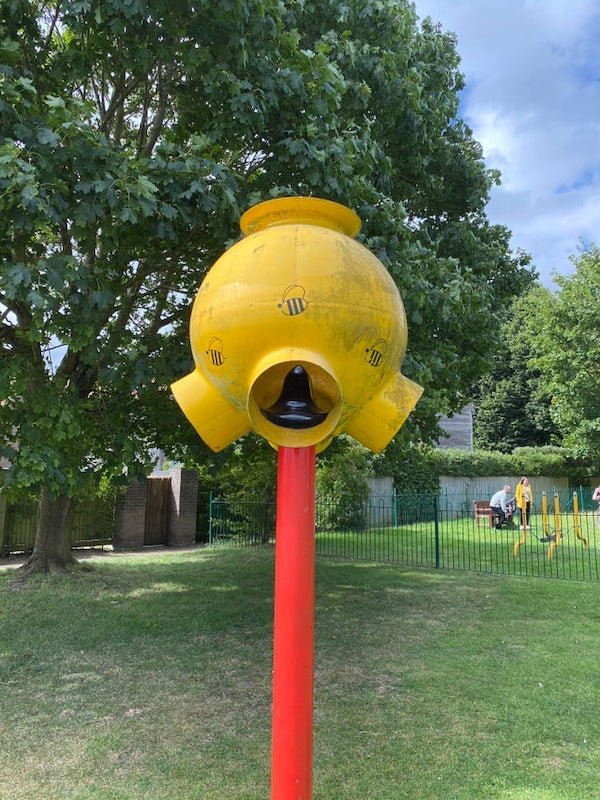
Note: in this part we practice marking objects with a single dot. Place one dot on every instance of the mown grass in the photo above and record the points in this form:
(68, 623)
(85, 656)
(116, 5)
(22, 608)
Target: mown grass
(148, 677)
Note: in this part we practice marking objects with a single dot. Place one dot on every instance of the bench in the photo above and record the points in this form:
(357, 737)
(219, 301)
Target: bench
(482, 510)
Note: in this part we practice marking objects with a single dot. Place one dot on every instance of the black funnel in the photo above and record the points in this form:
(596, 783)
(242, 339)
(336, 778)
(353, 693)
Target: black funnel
(295, 407)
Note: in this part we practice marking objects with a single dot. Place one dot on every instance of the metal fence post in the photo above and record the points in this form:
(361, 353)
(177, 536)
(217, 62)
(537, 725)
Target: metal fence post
(210, 510)
(437, 531)
(4, 550)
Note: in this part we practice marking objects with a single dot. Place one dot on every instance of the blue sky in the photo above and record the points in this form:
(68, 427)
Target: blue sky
(532, 99)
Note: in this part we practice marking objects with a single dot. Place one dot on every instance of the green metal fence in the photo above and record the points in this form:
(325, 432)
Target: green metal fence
(439, 532)
(240, 522)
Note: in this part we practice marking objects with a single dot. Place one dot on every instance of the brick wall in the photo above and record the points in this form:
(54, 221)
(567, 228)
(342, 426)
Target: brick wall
(130, 521)
(131, 518)
(183, 507)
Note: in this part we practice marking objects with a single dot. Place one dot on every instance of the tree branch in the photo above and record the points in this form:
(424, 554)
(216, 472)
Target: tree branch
(8, 335)
(175, 317)
(159, 116)
(99, 96)
(125, 310)
(53, 23)
(8, 309)
(161, 302)
(67, 366)
(116, 106)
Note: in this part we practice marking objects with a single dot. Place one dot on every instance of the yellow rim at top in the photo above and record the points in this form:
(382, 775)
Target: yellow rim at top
(300, 211)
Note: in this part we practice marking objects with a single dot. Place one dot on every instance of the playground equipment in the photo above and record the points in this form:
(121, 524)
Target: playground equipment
(555, 537)
(553, 534)
(298, 292)
(577, 522)
(298, 333)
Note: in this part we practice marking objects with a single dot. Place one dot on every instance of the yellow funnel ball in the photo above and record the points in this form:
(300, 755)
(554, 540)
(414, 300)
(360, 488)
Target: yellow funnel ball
(298, 333)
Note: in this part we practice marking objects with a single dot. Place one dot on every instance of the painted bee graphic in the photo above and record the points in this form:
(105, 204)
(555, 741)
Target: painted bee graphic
(215, 352)
(293, 301)
(375, 353)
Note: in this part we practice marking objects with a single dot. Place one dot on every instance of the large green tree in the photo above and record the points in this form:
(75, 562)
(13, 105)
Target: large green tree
(566, 326)
(132, 135)
(513, 399)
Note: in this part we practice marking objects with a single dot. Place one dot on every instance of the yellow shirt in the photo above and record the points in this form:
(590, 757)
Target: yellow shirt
(523, 495)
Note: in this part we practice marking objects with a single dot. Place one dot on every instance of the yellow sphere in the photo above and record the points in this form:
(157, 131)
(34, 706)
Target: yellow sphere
(298, 290)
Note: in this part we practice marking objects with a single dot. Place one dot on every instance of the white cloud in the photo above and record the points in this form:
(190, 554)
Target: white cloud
(532, 69)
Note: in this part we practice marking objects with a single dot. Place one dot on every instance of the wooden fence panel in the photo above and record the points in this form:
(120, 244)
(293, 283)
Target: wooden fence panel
(158, 491)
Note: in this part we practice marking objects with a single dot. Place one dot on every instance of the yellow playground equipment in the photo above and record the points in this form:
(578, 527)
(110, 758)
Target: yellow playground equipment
(553, 534)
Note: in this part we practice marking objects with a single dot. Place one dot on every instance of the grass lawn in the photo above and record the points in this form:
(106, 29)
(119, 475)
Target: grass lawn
(149, 677)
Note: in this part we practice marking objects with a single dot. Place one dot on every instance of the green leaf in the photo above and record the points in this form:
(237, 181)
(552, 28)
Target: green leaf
(46, 136)
(36, 299)
(55, 102)
(27, 85)
(128, 215)
(145, 187)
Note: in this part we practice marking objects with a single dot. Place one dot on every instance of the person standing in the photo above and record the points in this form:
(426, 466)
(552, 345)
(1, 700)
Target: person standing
(499, 506)
(596, 497)
(524, 499)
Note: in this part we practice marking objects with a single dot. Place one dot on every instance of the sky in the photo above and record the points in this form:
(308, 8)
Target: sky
(532, 100)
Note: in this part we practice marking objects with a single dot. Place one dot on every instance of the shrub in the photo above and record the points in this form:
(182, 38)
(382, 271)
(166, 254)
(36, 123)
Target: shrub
(342, 488)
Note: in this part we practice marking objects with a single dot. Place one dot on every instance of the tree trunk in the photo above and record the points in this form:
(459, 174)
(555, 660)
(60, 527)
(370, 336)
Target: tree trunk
(52, 549)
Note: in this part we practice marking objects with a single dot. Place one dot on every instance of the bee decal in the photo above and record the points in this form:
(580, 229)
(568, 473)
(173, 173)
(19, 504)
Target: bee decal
(293, 301)
(215, 352)
(375, 353)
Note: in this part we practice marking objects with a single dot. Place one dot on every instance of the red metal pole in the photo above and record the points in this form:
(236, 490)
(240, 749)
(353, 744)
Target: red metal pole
(293, 636)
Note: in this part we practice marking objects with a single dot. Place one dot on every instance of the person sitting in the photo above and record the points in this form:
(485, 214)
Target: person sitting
(502, 506)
